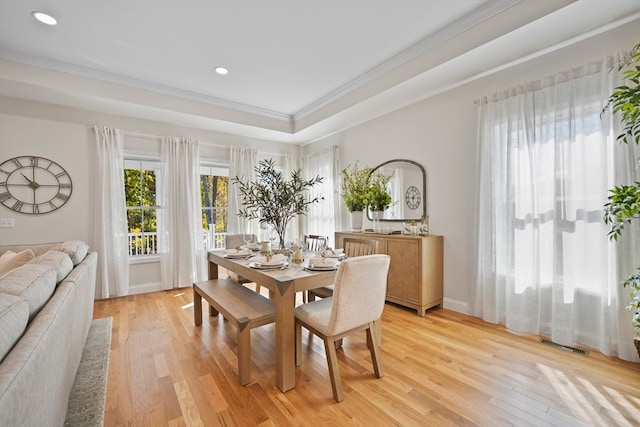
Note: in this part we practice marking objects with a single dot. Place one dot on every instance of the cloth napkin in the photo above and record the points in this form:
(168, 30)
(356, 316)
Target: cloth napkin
(335, 253)
(238, 252)
(322, 262)
(276, 259)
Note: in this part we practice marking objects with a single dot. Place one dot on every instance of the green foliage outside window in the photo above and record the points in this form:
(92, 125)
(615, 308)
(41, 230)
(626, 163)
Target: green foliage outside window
(214, 193)
(140, 196)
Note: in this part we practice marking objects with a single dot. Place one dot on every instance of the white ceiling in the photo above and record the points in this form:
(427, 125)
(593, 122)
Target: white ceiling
(298, 69)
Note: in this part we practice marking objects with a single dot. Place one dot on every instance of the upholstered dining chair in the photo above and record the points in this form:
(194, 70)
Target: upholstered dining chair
(357, 302)
(352, 248)
(315, 243)
(232, 241)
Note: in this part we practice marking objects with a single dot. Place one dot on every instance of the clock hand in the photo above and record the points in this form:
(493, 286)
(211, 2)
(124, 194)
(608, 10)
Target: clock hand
(32, 184)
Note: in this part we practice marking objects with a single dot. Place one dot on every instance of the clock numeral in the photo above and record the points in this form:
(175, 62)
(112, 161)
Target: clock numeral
(33, 161)
(17, 206)
(53, 206)
(4, 171)
(16, 162)
(63, 197)
(60, 175)
(65, 185)
(3, 183)
(36, 209)
(4, 196)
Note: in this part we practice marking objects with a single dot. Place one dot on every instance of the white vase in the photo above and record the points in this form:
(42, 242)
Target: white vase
(375, 215)
(356, 220)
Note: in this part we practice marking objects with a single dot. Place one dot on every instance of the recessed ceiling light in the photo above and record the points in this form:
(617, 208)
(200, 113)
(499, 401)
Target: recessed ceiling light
(221, 70)
(44, 18)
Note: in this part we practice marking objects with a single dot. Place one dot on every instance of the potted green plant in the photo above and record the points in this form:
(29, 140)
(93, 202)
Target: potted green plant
(624, 200)
(353, 189)
(274, 200)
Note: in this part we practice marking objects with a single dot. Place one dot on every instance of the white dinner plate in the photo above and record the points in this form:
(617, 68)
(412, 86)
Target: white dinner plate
(238, 256)
(323, 268)
(259, 266)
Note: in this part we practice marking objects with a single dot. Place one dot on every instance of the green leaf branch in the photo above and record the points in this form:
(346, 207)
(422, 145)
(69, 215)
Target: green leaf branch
(274, 200)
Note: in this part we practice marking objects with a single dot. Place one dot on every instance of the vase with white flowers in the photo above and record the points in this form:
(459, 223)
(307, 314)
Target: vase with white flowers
(353, 190)
(363, 188)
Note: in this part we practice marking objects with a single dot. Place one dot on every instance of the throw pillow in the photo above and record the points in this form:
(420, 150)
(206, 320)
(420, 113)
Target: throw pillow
(10, 260)
(77, 250)
(58, 260)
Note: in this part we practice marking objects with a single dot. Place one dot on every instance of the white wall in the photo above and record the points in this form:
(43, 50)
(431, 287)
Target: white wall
(66, 144)
(440, 134)
(65, 136)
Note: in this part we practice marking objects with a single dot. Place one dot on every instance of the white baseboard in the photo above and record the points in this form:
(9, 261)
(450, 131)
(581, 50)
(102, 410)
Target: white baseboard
(456, 305)
(145, 288)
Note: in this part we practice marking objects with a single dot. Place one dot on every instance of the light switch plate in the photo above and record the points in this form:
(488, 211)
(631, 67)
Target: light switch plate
(6, 223)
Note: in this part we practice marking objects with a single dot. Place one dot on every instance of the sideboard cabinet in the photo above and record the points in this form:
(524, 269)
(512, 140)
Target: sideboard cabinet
(416, 270)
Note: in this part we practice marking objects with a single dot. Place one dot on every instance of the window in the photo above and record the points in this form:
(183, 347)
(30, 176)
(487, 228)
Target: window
(547, 158)
(214, 183)
(141, 188)
(140, 182)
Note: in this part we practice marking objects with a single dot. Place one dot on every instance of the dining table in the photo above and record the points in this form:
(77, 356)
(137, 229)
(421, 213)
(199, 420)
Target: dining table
(283, 284)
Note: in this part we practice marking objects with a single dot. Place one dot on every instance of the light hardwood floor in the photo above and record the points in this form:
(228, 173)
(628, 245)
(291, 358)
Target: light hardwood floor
(440, 370)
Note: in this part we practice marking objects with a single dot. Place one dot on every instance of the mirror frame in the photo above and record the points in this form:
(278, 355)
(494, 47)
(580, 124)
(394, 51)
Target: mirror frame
(424, 191)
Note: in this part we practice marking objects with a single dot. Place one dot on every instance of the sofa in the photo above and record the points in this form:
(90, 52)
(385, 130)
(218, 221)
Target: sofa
(46, 308)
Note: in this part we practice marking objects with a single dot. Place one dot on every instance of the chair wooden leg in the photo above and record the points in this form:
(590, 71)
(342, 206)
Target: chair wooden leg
(375, 356)
(334, 373)
(244, 353)
(298, 344)
(378, 328)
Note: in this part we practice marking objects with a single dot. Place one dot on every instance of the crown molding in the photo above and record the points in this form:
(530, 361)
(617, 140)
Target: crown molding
(421, 47)
(76, 70)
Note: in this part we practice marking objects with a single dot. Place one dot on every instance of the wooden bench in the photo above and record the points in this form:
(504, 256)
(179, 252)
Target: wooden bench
(243, 307)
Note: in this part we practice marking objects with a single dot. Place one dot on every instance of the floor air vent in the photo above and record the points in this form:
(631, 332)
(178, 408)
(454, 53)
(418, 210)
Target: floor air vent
(565, 347)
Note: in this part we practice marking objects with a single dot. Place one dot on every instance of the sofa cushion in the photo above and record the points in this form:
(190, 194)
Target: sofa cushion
(77, 250)
(34, 282)
(10, 260)
(14, 316)
(58, 260)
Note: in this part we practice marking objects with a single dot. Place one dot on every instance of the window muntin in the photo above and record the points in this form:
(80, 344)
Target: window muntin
(140, 185)
(214, 193)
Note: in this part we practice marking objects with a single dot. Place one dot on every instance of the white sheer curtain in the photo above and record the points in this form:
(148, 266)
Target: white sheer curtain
(180, 237)
(110, 214)
(242, 163)
(289, 164)
(545, 264)
(321, 218)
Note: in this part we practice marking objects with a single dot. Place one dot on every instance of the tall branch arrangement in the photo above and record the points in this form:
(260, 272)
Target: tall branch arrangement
(274, 200)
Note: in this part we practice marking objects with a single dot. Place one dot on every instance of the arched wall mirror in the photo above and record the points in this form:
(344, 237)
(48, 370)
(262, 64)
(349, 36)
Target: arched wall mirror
(408, 190)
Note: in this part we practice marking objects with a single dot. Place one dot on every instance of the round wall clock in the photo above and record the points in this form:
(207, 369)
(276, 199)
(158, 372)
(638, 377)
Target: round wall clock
(33, 185)
(413, 197)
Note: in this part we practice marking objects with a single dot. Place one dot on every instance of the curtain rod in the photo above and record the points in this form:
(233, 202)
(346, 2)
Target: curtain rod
(210, 144)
